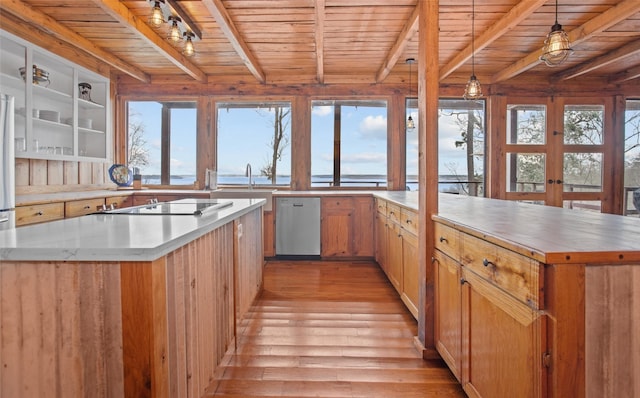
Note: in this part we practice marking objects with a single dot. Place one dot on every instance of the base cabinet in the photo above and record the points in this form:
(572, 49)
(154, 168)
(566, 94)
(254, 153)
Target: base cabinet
(489, 325)
(397, 250)
(346, 228)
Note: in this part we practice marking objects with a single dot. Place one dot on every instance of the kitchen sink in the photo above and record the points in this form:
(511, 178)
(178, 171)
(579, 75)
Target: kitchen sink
(246, 193)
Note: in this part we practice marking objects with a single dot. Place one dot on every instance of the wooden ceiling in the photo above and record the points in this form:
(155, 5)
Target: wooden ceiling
(345, 41)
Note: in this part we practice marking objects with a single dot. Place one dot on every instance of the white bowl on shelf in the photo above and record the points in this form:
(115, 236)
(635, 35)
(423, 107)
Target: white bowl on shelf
(52, 116)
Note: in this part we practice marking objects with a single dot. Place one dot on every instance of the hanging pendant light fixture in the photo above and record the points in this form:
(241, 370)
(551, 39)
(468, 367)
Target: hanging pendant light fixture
(174, 35)
(188, 50)
(157, 16)
(556, 46)
(410, 123)
(473, 90)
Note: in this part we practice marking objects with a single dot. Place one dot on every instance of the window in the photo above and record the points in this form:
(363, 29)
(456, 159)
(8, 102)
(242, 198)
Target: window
(348, 143)
(255, 134)
(632, 158)
(162, 141)
(461, 146)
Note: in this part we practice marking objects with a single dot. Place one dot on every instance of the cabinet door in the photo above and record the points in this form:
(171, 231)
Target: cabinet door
(410, 272)
(448, 311)
(336, 227)
(269, 234)
(362, 232)
(381, 240)
(503, 343)
(394, 265)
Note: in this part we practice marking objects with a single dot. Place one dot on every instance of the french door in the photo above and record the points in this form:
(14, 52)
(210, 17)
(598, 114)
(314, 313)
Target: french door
(555, 151)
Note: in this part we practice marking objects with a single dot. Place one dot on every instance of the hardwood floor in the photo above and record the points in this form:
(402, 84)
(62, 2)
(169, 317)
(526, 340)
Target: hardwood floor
(329, 329)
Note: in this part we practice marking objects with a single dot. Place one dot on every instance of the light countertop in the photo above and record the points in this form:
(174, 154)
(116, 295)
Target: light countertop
(112, 237)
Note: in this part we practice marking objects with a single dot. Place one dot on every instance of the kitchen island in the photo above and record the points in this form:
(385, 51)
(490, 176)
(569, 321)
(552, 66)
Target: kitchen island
(112, 305)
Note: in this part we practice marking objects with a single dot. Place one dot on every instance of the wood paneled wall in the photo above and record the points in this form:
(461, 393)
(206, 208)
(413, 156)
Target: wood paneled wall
(48, 176)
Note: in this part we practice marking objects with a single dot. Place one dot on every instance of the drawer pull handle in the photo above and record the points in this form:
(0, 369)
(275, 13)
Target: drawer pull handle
(463, 281)
(486, 263)
(408, 221)
(87, 207)
(443, 239)
(39, 213)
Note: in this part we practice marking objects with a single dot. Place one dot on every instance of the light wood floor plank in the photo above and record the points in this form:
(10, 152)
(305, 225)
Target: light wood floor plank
(329, 329)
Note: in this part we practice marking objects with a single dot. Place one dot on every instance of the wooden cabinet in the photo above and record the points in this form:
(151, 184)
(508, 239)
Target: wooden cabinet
(346, 228)
(488, 316)
(38, 213)
(397, 250)
(56, 119)
(83, 207)
(144, 198)
(269, 231)
(119, 202)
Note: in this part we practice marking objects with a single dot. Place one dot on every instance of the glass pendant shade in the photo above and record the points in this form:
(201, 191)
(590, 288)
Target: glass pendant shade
(410, 124)
(174, 35)
(473, 90)
(188, 50)
(157, 17)
(556, 47)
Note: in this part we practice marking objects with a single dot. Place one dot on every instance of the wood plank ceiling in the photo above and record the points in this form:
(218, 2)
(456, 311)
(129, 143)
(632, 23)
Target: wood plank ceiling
(345, 41)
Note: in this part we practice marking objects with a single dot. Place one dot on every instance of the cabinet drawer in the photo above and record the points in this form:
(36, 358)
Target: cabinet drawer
(381, 206)
(516, 274)
(81, 207)
(447, 240)
(409, 220)
(26, 215)
(119, 201)
(393, 212)
(337, 203)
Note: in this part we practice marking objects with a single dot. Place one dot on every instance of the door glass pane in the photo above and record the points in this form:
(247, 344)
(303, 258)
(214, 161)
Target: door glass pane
(632, 157)
(526, 124)
(526, 172)
(583, 124)
(411, 156)
(582, 172)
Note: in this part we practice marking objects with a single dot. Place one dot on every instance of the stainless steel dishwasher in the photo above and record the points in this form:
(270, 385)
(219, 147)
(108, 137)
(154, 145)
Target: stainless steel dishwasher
(297, 226)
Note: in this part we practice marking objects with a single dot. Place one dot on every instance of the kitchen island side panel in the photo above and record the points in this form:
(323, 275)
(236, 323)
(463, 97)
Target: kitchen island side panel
(61, 329)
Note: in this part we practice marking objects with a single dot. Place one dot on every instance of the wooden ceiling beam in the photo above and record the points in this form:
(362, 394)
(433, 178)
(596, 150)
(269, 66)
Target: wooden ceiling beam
(598, 62)
(320, 16)
(511, 19)
(49, 25)
(222, 17)
(629, 74)
(598, 24)
(408, 31)
(122, 14)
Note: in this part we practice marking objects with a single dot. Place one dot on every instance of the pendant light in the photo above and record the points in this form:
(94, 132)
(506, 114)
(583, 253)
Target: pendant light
(188, 50)
(473, 90)
(157, 16)
(557, 46)
(174, 35)
(410, 123)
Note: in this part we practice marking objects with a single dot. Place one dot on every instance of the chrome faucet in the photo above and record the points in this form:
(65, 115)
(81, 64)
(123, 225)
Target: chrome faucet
(248, 174)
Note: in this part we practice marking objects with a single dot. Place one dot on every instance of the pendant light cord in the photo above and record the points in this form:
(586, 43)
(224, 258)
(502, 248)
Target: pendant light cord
(473, 33)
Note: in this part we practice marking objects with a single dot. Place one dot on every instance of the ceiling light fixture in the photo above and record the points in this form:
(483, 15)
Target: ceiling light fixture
(410, 123)
(556, 47)
(188, 50)
(174, 35)
(473, 90)
(157, 15)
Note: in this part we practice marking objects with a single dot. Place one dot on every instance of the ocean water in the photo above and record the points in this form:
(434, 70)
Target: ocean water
(447, 183)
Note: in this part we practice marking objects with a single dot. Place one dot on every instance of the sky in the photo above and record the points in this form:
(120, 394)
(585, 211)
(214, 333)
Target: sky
(244, 136)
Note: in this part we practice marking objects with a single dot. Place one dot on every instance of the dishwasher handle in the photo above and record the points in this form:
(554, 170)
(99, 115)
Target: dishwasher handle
(298, 205)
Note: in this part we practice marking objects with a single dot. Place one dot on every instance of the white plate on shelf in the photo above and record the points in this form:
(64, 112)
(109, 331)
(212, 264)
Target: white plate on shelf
(52, 116)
